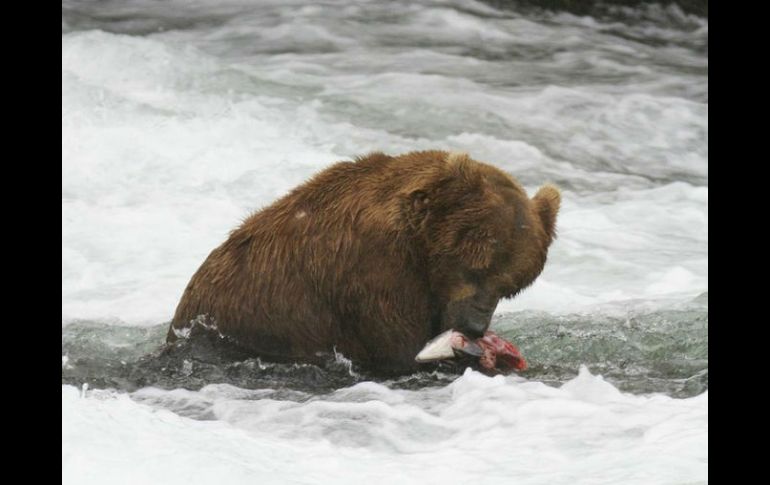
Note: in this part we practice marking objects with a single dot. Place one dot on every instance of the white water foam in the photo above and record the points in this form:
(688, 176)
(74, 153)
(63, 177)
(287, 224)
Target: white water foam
(478, 428)
(161, 158)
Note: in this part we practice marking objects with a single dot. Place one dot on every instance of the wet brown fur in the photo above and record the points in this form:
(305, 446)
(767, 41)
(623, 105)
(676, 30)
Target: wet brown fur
(365, 256)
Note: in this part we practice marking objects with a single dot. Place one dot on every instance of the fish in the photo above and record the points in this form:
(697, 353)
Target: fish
(448, 345)
(500, 355)
(494, 354)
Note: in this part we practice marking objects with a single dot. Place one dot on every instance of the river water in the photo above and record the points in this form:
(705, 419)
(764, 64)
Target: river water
(179, 118)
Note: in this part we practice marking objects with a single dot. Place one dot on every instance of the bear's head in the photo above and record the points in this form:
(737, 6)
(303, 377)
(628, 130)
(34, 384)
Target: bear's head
(483, 238)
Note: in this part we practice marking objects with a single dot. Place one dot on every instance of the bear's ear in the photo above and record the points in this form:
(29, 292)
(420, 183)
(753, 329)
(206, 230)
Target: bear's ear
(417, 207)
(547, 202)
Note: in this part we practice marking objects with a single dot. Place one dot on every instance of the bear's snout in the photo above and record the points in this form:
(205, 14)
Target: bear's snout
(471, 315)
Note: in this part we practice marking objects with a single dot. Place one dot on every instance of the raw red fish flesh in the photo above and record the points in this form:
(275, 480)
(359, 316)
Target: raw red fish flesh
(495, 354)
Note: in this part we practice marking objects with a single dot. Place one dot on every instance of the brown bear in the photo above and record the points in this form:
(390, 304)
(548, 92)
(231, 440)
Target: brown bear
(373, 258)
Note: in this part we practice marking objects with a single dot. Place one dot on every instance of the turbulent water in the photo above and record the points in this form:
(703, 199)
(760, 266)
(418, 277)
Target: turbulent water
(179, 118)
